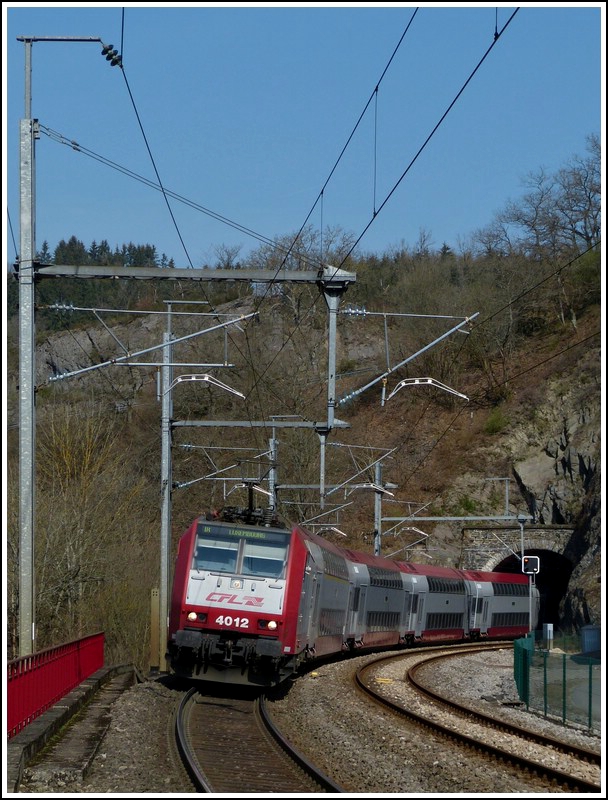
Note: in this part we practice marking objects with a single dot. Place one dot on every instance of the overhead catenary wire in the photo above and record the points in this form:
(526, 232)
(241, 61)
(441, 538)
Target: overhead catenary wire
(321, 193)
(165, 195)
(320, 196)
(162, 188)
(354, 130)
(143, 133)
(10, 225)
(62, 139)
(414, 159)
(429, 137)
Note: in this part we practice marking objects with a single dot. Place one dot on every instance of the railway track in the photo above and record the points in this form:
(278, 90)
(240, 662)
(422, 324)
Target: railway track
(373, 750)
(229, 745)
(396, 682)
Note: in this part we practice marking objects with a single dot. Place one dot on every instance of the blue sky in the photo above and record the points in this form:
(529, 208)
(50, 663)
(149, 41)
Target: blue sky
(246, 109)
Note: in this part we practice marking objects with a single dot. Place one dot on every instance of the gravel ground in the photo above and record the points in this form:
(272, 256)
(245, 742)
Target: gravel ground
(135, 755)
(360, 747)
(366, 750)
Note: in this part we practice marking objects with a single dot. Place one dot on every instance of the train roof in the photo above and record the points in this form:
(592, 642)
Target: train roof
(431, 570)
(371, 560)
(466, 574)
(494, 577)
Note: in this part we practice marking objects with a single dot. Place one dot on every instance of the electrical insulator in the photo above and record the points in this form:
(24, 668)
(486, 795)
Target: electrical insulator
(111, 54)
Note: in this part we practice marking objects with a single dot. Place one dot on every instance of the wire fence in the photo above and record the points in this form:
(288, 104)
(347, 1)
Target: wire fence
(555, 677)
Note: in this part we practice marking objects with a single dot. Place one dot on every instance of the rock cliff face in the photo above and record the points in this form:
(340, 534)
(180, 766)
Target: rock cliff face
(554, 453)
(582, 604)
(560, 478)
(557, 469)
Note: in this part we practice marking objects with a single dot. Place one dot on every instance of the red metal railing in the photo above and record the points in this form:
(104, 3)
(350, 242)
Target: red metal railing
(38, 681)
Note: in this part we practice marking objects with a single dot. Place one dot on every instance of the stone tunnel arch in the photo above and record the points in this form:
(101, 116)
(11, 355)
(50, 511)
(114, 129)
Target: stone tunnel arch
(499, 550)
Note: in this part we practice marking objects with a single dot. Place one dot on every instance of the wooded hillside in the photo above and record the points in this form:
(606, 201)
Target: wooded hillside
(527, 362)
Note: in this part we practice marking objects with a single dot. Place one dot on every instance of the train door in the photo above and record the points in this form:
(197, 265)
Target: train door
(419, 587)
(362, 613)
(484, 616)
(407, 612)
(313, 628)
(479, 608)
(306, 601)
(405, 624)
(351, 613)
(355, 617)
(475, 609)
(419, 621)
(309, 603)
(352, 609)
(414, 612)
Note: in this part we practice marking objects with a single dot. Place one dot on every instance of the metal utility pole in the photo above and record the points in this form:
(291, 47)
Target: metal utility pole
(333, 293)
(332, 298)
(28, 133)
(166, 474)
(166, 489)
(27, 427)
(272, 472)
(378, 509)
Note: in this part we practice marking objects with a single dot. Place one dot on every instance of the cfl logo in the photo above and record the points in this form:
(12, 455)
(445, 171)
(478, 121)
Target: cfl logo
(235, 600)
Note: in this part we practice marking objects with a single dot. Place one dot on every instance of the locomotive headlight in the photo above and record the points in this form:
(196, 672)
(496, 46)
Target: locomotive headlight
(267, 624)
(194, 616)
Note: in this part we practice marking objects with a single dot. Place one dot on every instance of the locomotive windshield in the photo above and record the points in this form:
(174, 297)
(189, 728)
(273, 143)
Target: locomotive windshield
(255, 552)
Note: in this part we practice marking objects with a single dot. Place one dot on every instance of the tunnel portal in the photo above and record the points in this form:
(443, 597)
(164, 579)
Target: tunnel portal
(552, 581)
